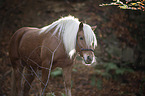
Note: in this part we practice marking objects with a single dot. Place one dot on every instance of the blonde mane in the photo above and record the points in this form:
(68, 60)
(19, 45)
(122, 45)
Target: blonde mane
(67, 28)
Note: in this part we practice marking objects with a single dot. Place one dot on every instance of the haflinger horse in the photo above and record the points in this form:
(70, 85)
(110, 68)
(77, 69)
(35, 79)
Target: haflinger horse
(55, 45)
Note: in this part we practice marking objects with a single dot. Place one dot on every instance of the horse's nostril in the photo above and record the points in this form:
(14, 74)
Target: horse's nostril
(89, 58)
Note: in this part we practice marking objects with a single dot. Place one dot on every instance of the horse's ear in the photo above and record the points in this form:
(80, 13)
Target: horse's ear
(81, 26)
(94, 27)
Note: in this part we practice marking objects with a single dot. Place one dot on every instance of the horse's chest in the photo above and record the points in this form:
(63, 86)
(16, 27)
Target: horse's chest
(64, 62)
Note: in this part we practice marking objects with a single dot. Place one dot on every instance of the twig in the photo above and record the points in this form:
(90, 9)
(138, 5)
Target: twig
(50, 68)
(36, 75)
(24, 78)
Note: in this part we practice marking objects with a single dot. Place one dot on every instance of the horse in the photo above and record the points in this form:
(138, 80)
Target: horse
(55, 45)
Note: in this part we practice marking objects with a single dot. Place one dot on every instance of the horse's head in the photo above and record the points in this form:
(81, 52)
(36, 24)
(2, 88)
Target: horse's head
(86, 42)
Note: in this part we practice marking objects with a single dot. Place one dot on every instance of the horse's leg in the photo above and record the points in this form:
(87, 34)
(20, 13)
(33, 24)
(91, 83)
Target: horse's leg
(16, 77)
(67, 79)
(45, 76)
(28, 80)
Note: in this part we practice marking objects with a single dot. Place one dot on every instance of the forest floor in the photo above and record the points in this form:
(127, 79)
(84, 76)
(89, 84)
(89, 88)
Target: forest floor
(111, 24)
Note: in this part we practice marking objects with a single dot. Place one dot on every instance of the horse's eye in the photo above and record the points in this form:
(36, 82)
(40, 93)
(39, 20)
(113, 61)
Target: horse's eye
(81, 38)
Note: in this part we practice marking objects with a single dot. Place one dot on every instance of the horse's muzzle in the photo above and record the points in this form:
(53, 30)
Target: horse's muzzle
(88, 59)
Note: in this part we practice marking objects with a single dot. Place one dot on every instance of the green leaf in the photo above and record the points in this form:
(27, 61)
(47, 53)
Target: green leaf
(111, 66)
(128, 70)
(56, 72)
(120, 71)
(75, 70)
(50, 94)
(93, 80)
(106, 74)
(124, 6)
(99, 84)
(98, 71)
(63, 94)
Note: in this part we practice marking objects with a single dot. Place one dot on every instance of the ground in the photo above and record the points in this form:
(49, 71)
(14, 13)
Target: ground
(110, 21)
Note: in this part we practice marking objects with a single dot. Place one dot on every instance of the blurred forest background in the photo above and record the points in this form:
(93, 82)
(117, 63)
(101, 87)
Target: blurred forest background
(120, 54)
